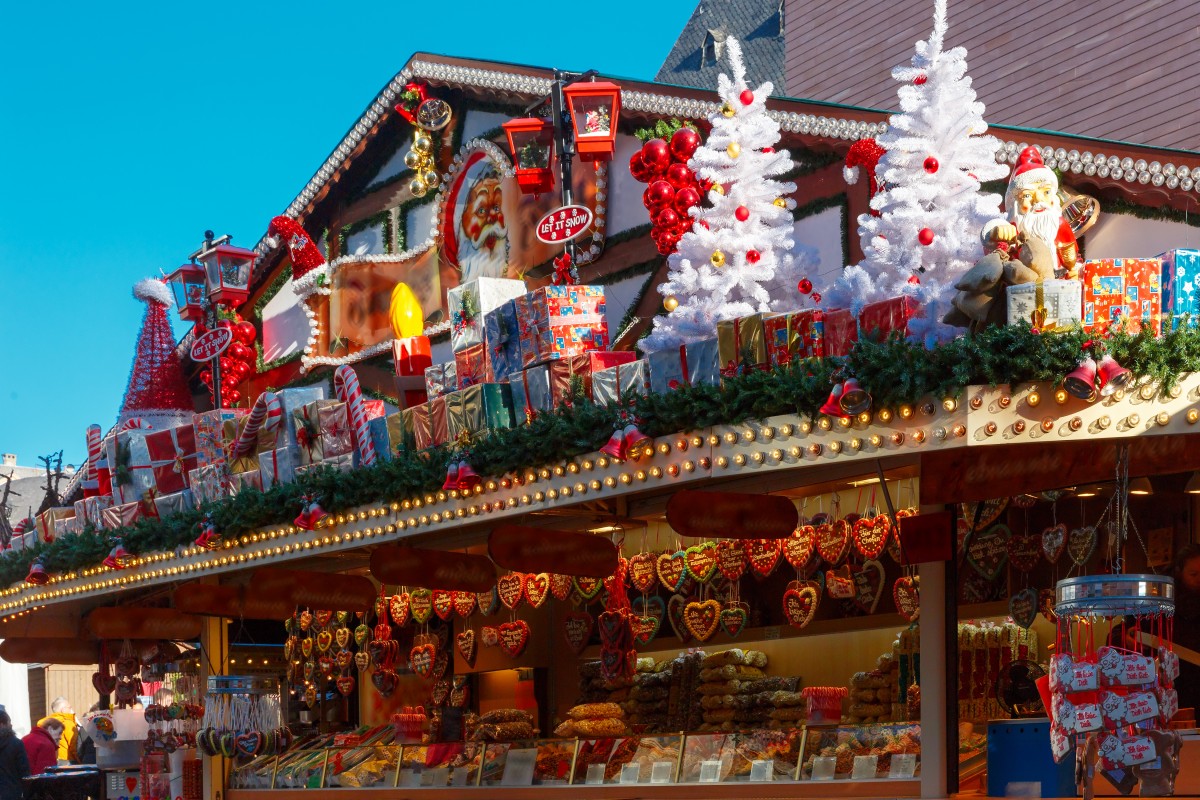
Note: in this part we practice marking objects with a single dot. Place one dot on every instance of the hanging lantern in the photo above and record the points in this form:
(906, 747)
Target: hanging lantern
(531, 142)
(187, 284)
(227, 271)
(595, 107)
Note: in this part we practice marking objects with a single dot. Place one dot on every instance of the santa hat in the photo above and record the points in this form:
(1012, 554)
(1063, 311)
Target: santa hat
(305, 254)
(157, 393)
(1030, 170)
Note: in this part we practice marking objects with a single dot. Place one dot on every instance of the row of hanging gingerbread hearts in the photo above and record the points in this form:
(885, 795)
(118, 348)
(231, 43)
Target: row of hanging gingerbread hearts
(989, 550)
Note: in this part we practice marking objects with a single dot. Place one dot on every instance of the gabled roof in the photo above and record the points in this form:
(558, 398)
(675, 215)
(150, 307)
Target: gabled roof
(756, 24)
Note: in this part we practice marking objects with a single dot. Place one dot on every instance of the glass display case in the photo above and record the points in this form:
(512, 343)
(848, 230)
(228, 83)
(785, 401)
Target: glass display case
(862, 752)
(752, 756)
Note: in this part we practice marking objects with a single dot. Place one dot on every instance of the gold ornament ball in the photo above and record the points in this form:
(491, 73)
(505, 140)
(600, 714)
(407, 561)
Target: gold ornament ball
(412, 159)
(670, 303)
(417, 187)
(430, 178)
(422, 144)
(727, 110)
(718, 188)
(781, 202)
(734, 149)
(717, 259)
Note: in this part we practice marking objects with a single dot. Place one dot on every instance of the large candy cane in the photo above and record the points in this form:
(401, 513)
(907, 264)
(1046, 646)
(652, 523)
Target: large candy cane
(267, 415)
(95, 450)
(135, 424)
(346, 389)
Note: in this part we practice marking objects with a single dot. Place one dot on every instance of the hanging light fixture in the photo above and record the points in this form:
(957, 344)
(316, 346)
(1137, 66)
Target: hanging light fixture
(1193, 484)
(1141, 487)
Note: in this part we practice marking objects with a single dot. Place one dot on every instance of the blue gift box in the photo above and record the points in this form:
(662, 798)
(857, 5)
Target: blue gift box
(1180, 273)
(503, 340)
(686, 365)
(380, 438)
(531, 392)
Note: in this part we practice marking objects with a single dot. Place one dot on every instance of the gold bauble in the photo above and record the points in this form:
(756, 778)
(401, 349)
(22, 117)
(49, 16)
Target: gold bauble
(430, 177)
(417, 187)
(734, 149)
(781, 202)
(412, 159)
(718, 188)
(727, 109)
(717, 259)
(670, 303)
(422, 144)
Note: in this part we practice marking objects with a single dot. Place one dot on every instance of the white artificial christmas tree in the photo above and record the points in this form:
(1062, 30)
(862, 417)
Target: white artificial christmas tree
(929, 210)
(739, 256)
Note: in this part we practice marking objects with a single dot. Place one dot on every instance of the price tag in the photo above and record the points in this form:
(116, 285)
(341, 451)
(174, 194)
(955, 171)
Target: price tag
(904, 765)
(662, 771)
(824, 768)
(864, 767)
(630, 773)
(410, 778)
(771, 632)
(438, 777)
(762, 769)
(460, 776)
(595, 775)
(710, 771)
(518, 767)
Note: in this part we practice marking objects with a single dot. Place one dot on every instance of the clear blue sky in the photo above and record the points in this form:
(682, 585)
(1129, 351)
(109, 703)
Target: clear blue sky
(129, 129)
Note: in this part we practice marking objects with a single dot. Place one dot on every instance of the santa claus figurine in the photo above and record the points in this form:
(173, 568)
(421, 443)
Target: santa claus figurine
(1035, 234)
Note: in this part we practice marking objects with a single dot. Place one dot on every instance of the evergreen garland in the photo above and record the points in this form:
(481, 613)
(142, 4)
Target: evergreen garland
(893, 370)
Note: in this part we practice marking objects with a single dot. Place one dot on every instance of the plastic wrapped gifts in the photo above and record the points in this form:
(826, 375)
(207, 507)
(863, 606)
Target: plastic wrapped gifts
(560, 321)
(470, 301)
(478, 410)
(688, 365)
(1122, 293)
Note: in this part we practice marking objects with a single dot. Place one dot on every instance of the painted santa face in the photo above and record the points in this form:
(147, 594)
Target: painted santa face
(482, 219)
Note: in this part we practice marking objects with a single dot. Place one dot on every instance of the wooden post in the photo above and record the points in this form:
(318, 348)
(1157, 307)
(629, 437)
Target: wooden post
(214, 660)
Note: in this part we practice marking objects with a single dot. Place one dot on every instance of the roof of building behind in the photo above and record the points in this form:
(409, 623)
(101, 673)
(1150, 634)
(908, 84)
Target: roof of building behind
(757, 24)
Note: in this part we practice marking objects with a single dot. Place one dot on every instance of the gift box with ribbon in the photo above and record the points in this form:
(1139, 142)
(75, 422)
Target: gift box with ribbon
(381, 439)
(322, 431)
(1054, 305)
(174, 503)
(502, 340)
(742, 344)
(122, 516)
(132, 474)
(398, 433)
(172, 456)
(618, 383)
(1122, 293)
(90, 509)
(210, 483)
(560, 321)
(264, 441)
(471, 366)
(802, 334)
(479, 409)
(212, 446)
(879, 320)
(290, 400)
(427, 422)
(412, 355)
(687, 365)
(278, 466)
(241, 481)
(47, 523)
(573, 375)
(440, 380)
(343, 463)
(469, 302)
(72, 526)
(1180, 289)
(530, 390)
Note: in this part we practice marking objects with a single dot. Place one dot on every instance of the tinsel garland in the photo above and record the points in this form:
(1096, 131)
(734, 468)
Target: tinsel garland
(894, 371)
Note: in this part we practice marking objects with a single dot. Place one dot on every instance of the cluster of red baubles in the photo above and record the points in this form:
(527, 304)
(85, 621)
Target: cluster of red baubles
(673, 187)
(238, 361)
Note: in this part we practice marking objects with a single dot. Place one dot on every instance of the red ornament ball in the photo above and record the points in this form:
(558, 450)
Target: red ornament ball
(805, 286)
(742, 213)
(684, 143)
(245, 333)
(679, 176)
(768, 149)
(638, 169)
(914, 280)
(685, 198)
(667, 218)
(656, 155)
(752, 256)
(925, 236)
(931, 165)
(747, 97)
(920, 79)
(660, 194)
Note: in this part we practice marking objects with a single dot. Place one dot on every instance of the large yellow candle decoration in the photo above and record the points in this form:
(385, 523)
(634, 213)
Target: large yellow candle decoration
(405, 312)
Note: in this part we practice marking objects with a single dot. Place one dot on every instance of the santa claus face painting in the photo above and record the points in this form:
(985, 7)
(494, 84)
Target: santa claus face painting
(482, 234)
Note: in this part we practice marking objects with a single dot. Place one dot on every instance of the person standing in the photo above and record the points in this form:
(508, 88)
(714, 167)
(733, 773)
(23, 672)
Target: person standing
(61, 710)
(14, 764)
(41, 745)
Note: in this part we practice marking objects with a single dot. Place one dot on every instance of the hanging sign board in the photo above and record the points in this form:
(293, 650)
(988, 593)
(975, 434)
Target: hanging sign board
(563, 224)
(143, 623)
(319, 590)
(211, 344)
(729, 515)
(528, 549)
(235, 602)
(432, 569)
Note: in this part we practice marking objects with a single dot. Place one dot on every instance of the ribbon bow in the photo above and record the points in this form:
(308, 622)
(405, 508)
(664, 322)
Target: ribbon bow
(565, 273)
(410, 99)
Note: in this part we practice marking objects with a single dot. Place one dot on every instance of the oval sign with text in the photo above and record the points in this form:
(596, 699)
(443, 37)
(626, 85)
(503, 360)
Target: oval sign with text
(564, 224)
(211, 344)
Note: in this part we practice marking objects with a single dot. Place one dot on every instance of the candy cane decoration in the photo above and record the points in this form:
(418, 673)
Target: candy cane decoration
(346, 389)
(95, 448)
(267, 415)
(135, 424)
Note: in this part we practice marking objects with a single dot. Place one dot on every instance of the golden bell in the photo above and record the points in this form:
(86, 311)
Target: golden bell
(412, 159)
(781, 202)
(734, 149)
(670, 303)
(422, 144)
(727, 110)
(717, 259)
(417, 187)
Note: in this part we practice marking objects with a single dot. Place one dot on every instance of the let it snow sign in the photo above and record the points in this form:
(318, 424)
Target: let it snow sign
(564, 224)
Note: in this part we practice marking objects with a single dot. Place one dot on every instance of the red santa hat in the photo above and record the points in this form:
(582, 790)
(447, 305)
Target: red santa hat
(1031, 170)
(305, 254)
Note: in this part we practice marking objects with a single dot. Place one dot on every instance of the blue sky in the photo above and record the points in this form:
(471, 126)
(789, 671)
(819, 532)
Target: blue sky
(128, 129)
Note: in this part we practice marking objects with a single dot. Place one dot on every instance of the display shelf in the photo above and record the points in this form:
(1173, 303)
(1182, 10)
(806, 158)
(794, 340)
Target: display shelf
(804, 790)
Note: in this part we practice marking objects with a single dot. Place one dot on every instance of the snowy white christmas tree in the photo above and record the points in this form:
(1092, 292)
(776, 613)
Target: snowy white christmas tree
(930, 210)
(739, 257)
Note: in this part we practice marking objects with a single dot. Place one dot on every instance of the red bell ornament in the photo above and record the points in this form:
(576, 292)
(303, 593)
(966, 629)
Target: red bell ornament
(855, 399)
(37, 574)
(468, 478)
(1081, 381)
(118, 557)
(833, 406)
(615, 446)
(636, 442)
(1110, 375)
(451, 481)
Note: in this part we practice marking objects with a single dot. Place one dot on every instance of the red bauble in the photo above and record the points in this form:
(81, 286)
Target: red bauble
(656, 155)
(234, 396)
(768, 149)
(925, 236)
(931, 165)
(226, 402)
(660, 194)
(742, 213)
(679, 176)
(805, 286)
(685, 198)
(752, 256)
(914, 280)
(245, 333)
(703, 223)
(747, 97)
(227, 323)
(920, 79)
(684, 143)
(238, 351)
(206, 377)
(226, 364)
(638, 168)
(667, 219)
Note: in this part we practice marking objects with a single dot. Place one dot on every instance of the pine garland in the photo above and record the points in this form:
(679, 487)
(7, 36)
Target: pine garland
(893, 370)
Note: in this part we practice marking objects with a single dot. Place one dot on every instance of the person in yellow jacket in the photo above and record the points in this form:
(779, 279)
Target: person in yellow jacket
(61, 710)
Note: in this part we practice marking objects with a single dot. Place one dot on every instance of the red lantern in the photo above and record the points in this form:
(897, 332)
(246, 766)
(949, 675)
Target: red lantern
(227, 271)
(187, 284)
(531, 142)
(595, 108)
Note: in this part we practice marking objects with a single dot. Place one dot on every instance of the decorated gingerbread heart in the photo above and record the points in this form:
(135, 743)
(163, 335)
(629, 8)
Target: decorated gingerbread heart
(323, 618)
(871, 535)
(464, 641)
(306, 646)
(488, 602)
(1024, 551)
(420, 602)
(362, 659)
(868, 584)
(514, 636)
(907, 595)
(489, 636)
(839, 583)
(343, 659)
(443, 603)
(341, 637)
(1023, 607)
(345, 685)
(1081, 543)
(441, 663)
(512, 589)
(675, 608)
(731, 559)
(464, 603)
(324, 640)
(763, 555)
(701, 560)
(398, 608)
(588, 588)
(420, 659)
(644, 628)
(800, 602)
(643, 574)
(536, 588)
(798, 549)
(833, 541)
(577, 630)
(702, 618)
(987, 550)
(561, 587)
(672, 568)
(733, 620)
(1054, 541)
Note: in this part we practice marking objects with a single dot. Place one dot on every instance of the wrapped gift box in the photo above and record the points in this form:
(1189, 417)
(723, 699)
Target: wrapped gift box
(210, 483)
(1053, 305)
(172, 455)
(1180, 288)
(212, 446)
(440, 380)
(889, 316)
(343, 463)
(132, 475)
(122, 516)
(89, 510)
(742, 344)
(469, 302)
(576, 372)
(1122, 292)
(502, 340)
(292, 399)
(174, 503)
(398, 432)
(810, 333)
(479, 409)
(381, 439)
(278, 466)
(618, 383)
(530, 390)
(560, 321)
(264, 441)
(47, 522)
(471, 366)
(241, 481)
(72, 526)
(687, 365)
(411, 355)
(428, 424)
(22, 541)
(322, 431)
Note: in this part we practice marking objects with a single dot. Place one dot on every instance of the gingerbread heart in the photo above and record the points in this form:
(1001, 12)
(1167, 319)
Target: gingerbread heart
(420, 602)
(1024, 551)
(675, 609)
(642, 572)
(1046, 602)
(385, 681)
(671, 568)
(345, 685)
(651, 605)
(839, 583)
(323, 618)
(1023, 607)
(701, 561)
(561, 586)
(833, 541)
(513, 637)
(420, 659)
(614, 628)
(871, 535)
(399, 610)
(588, 588)
(324, 640)
(733, 620)
(443, 603)
(1081, 543)
(800, 604)
(987, 550)
(907, 595)
(799, 547)
(868, 585)
(343, 659)
(341, 618)
(441, 663)
(763, 555)
(104, 682)
(464, 603)
(1054, 541)
(644, 628)
(702, 618)
(577, 630)
(306, 646)
(731, 559)
(306, 619)
(325, 665)
(489, 636)
(465, 642)
(310, 669)
(512, 589)
(537, 588)
(342, 637)
(488, 602)
(362, 659)
(440, 693)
